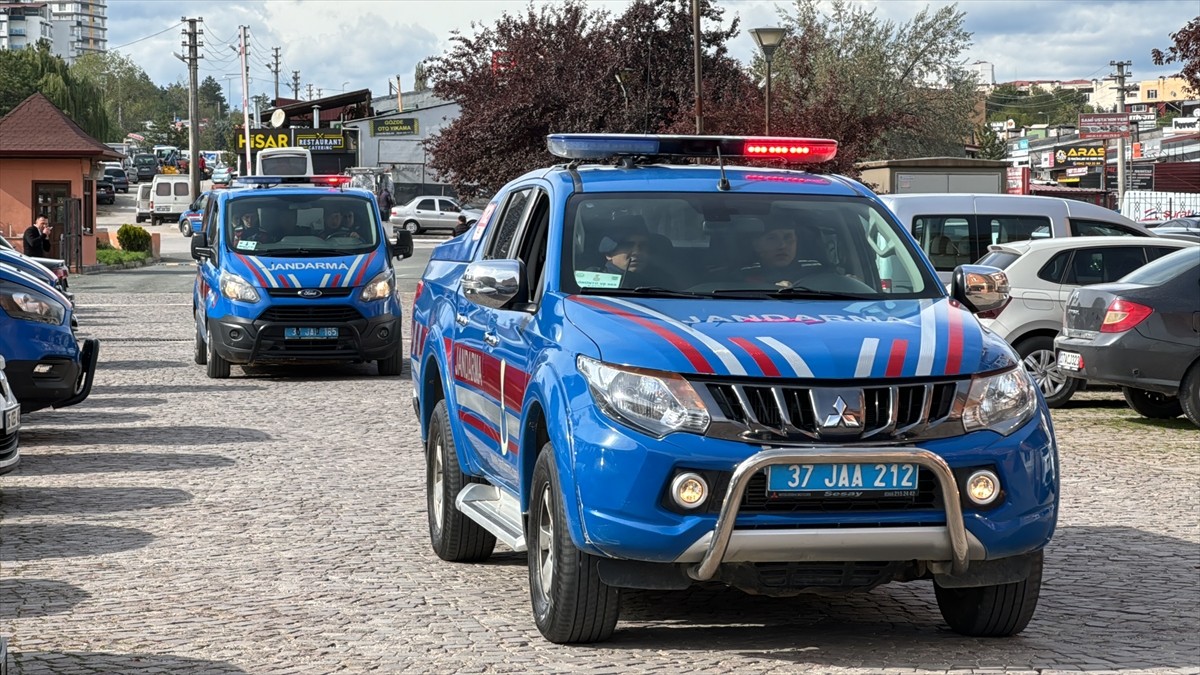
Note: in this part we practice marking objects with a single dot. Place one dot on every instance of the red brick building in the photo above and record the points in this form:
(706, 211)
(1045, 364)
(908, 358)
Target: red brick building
(48, 167)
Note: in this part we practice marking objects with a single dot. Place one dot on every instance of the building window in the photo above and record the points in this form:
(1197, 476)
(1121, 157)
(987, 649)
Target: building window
(1151, 94)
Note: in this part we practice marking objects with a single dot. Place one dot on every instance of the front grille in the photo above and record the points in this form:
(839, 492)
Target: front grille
(775, 413)
(756, 499)
(335, 292)
(311, 314)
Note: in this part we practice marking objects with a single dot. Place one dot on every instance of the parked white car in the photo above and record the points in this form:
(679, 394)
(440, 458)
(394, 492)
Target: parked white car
(10, 424)
(1041, 276)
(431, 213)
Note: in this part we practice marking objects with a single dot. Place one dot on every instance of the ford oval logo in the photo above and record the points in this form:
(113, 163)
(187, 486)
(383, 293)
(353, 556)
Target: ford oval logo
(309, 293)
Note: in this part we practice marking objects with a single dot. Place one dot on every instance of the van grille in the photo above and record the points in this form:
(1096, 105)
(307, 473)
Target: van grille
(311, 313)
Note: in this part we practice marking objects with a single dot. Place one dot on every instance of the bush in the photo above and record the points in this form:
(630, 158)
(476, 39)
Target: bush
(112, 256)
(133, 238)
(103, 245)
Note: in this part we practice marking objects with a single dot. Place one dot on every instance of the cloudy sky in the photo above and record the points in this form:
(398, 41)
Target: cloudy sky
(359, 44)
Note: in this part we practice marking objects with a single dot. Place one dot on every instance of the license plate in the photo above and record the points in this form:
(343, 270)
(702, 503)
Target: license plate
(841, 477)
(12, 420)
(305, 333)
(162, 208)
(1070, 361)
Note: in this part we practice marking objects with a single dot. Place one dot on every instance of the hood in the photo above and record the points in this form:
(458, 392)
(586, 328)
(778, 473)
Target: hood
(331, 272)
(823, 339)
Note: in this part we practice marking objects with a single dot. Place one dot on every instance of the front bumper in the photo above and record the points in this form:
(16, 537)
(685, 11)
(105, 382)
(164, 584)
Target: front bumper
(247, 341)
(622, 482)
(54, 381)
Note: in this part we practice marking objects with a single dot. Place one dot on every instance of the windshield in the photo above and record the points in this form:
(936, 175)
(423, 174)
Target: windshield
(299, 225)
(284, 165)
(144, 160)
(738, 245)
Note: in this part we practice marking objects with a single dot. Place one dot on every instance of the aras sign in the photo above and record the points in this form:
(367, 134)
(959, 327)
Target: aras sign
(1079, 156)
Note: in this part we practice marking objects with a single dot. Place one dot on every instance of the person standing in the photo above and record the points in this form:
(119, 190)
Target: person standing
(37, 238)
(385, 202)
(461, 225)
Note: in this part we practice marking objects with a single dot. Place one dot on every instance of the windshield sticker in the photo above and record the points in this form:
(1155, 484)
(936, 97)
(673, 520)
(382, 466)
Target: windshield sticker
(483, 221)
(247, 245)
(598, 279)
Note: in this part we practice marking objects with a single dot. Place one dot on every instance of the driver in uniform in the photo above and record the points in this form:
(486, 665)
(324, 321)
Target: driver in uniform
(776, 249)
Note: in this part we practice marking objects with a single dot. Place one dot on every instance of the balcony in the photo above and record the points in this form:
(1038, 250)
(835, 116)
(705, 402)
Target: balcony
(16, 32)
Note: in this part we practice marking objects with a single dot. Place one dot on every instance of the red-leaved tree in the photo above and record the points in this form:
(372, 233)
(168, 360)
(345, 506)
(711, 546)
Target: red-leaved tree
(1186, 52)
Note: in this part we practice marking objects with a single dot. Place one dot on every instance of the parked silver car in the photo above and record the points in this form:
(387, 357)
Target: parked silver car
(430, 213)
(1041, 276)
(10, 424)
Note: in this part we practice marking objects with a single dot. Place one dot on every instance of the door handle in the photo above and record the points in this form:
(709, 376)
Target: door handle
(491, 339)
(461, 319)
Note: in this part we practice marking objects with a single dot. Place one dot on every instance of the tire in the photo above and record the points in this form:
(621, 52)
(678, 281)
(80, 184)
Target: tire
(139, 219)
(571, 604)
(200, 351)
(1152, 404)
(218, 367)
(1189, 394)
(455, 537)
(394, 364)
(413, 227)
(991, 611)
(1037, 355)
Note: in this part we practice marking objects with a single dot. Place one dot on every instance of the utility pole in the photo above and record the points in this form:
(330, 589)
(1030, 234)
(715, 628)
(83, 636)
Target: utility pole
(245, 52)
(309, 91)
(696, 57)
(275, 70)
(296, 84)
(193, 44)
(1121, 74)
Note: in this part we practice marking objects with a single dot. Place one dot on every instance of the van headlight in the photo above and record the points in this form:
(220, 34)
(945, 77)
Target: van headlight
(20, 302)
(654, 402)
(380, 287)
(1001, 403)
(236, 288)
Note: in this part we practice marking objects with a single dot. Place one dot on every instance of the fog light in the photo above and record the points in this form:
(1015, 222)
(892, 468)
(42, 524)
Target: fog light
(383, 333)
(42, 368)
(235, 334)
(689, 490)
(983, 487)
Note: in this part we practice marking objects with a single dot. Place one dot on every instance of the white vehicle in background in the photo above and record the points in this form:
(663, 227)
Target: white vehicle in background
(284, 162)
(10, 425)
(430, 213)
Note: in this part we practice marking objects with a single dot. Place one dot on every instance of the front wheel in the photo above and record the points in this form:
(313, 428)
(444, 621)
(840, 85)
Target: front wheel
(571, 604)
(991, 611)
(1152, 404)
(393, 364)
(200, 351)
(218, 367)
(412, 227)
(1189, 394)
(1037, 355)
(454, 536)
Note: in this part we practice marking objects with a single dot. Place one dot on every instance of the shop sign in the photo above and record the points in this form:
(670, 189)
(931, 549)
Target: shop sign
(1104, 125)
(1079, 156)
(395, 126)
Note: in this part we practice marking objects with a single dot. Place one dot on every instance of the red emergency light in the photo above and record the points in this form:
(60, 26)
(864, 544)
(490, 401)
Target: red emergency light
(809, 150)
(332, 181)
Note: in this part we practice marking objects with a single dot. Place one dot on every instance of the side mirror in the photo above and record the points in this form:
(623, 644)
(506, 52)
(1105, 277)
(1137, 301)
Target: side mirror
(979, 287)
(200, 249)
(493, 283)
(403, 248)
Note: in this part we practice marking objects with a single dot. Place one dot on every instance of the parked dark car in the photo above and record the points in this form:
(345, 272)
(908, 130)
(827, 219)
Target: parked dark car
(146, 166)
(1142, 334)
(105, 192)
(118, 178)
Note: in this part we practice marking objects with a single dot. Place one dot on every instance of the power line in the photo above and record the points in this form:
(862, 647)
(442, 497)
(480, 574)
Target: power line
(172, 27)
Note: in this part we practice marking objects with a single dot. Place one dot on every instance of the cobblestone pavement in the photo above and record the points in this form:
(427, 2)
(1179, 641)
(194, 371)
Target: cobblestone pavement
(275, 523)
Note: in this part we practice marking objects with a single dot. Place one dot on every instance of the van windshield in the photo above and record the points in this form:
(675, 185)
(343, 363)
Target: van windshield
(145, 160)
(301, 225)
(284, 165)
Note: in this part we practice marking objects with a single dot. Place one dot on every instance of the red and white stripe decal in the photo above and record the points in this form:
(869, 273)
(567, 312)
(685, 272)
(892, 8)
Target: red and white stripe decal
(283, 280)
(760, 357)
(866, 357)
(929, 326)
(731, 362)
(799, 367)
(689, 352)
(363, 270)
(350, 272)
(895, 364)
(294, 280)
(324, 281)
(954, 349)
(259, 271)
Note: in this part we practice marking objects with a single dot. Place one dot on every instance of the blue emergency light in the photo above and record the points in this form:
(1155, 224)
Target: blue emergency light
(607, 146)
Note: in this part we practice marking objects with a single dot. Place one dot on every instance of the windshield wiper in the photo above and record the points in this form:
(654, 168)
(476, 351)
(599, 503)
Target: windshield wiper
(645, 290)
(790, 292)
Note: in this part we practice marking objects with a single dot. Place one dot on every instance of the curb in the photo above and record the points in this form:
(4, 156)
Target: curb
(101, 269)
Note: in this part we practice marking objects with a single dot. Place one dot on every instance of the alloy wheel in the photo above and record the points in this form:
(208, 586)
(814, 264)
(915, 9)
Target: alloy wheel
(436, 485)
(1042, 365)
(545, 543)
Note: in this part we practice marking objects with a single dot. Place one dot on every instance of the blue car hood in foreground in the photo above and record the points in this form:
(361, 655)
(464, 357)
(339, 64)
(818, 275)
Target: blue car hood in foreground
(332, 272)
(824, 339)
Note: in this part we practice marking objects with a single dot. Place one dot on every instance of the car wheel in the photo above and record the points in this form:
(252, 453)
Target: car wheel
(454, 536)
(1189, 394)
(1152, 404)
(1037, 355)
(200, 352)
(991, 611)
(139, 219)
(394, 364)
(218, 367)
(571, 604)
(413, 227)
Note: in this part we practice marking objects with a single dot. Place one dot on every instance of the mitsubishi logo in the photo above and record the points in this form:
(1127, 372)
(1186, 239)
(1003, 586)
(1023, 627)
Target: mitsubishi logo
(842, 416)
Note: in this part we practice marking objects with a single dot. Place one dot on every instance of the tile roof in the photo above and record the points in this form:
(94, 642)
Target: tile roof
(37, 128)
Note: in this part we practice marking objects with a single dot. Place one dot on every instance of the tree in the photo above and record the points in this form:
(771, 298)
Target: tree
(1036, 106)
(212, 98)
(27, 71)
(991, 146)
(129, 96)
(882, 90)
(1186, 52)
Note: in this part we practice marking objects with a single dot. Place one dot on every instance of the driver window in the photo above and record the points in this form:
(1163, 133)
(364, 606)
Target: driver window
(501, 245)
(532, 249)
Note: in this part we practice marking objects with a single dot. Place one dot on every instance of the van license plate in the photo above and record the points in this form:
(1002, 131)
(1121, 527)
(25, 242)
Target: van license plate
(162, 208)
(1070, 361)
(12, 420)
(305, 333)
(841, 477)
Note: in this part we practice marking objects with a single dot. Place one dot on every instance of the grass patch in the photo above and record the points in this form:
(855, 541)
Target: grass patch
(116, 257)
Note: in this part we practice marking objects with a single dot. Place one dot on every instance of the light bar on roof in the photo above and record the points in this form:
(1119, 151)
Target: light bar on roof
(607, 146)
(268, 181)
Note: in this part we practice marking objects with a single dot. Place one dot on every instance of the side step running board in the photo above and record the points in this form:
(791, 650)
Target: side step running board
(495, 510)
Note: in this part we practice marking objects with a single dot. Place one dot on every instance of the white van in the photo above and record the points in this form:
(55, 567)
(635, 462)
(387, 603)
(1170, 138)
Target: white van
(170, 196)
(284, 162)
(956, 229)
(144, 207)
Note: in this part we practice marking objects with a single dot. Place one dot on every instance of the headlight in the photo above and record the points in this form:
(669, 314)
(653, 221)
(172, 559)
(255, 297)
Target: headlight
(654, 402)
(380, 287)
(20, 302)
(1001, 402)
(236, 288)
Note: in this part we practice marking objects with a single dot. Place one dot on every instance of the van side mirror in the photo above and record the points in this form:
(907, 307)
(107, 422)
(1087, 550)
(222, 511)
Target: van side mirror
(403, 248)
(200, 248)
(980, 288)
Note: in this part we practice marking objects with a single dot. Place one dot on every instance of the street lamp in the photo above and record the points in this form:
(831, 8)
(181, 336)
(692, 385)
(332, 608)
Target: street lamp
(768, 40)
(344, 86)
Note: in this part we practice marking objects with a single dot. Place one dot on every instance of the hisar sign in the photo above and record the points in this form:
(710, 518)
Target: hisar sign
(316, 140)
(396, 126)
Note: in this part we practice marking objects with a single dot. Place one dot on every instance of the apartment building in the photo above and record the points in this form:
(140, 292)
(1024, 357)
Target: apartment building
(22, 24)
(72, 28)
